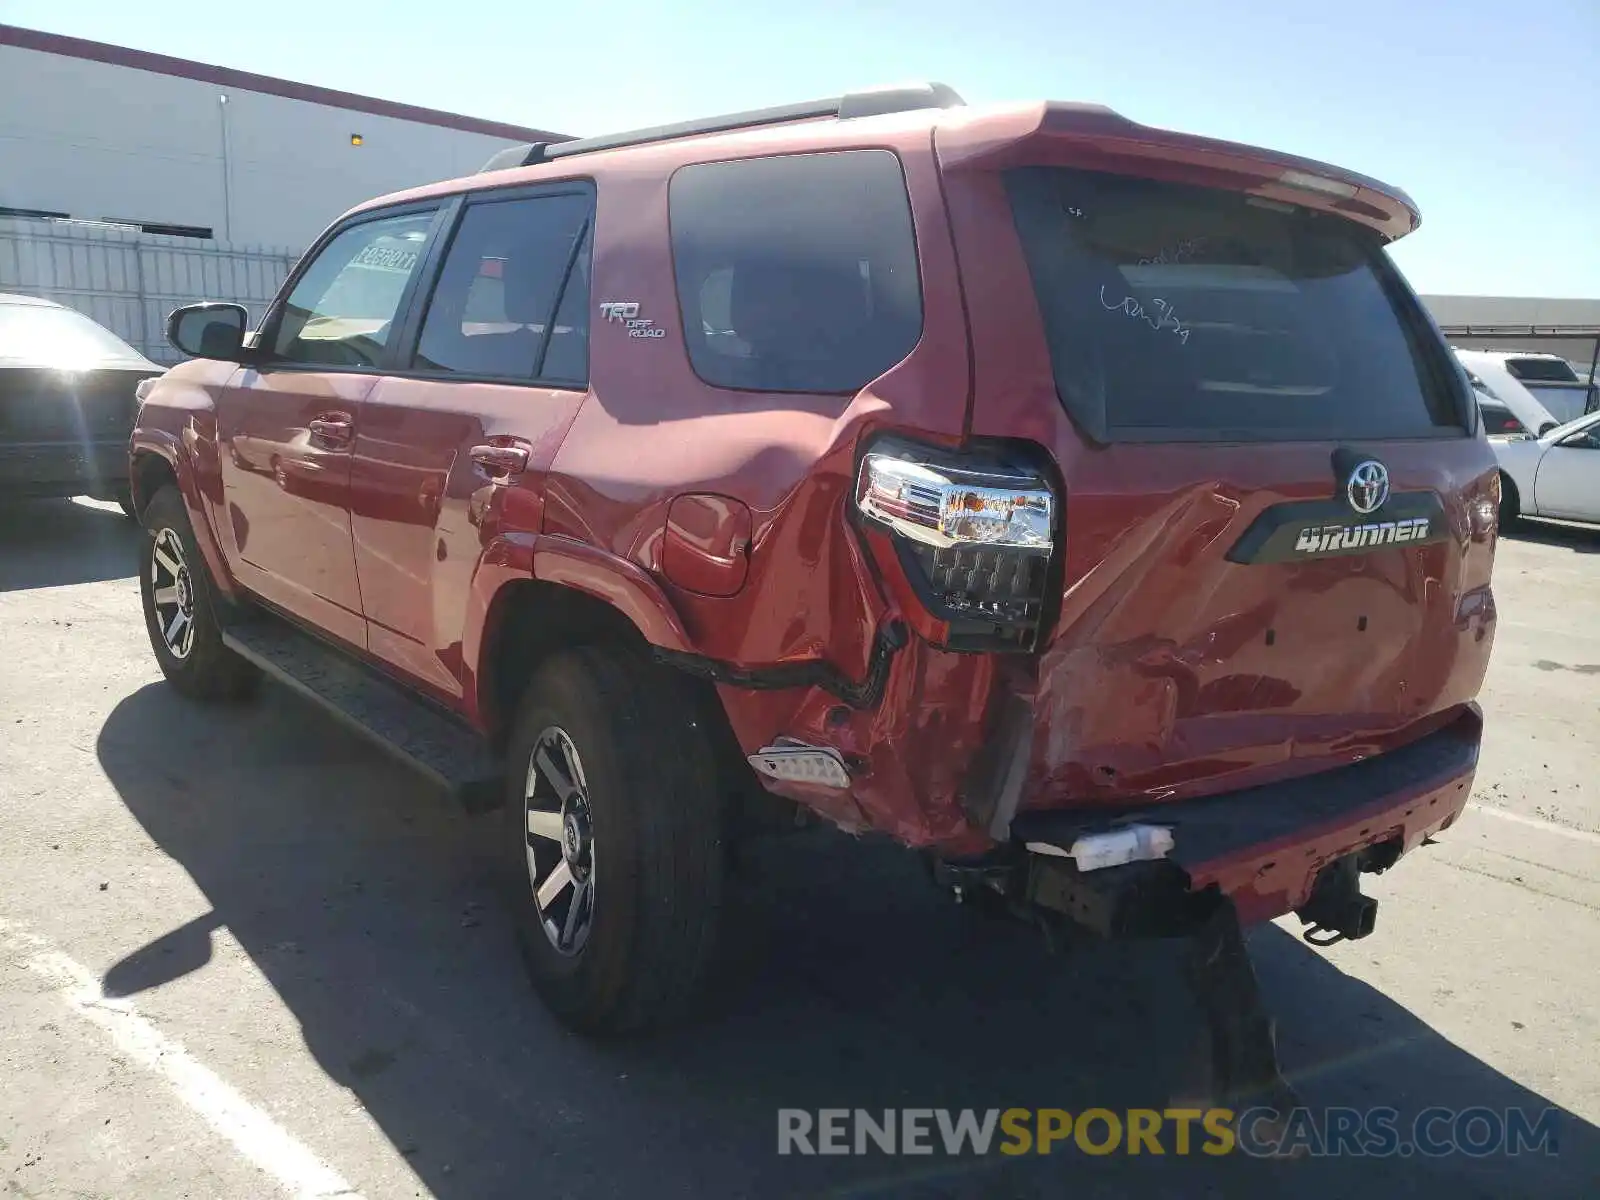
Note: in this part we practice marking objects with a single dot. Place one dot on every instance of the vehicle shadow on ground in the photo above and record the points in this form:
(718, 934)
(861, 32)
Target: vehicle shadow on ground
(370, 906)
(1580, 539)
(48, 543)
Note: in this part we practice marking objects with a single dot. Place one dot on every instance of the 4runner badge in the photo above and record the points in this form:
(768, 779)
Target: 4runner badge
(1319, 539)
(626, 313)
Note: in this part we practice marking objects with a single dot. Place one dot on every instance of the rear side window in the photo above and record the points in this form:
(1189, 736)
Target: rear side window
(512, 298)
(1183, 313)
(796, 273)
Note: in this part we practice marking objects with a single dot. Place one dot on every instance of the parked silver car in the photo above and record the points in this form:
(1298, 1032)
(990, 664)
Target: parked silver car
(68, 397)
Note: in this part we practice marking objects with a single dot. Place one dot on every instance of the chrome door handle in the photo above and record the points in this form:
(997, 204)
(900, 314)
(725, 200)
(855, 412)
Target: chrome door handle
(501, 462)
(334, 428)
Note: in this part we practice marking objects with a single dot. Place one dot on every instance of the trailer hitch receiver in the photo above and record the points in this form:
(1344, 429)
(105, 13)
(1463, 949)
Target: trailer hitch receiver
(1336, 910)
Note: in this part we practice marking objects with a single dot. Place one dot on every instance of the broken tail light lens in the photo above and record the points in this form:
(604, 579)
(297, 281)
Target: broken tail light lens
(975, 538)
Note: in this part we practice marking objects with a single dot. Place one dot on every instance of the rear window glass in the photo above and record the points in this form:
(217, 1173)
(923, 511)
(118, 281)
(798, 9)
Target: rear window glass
(1542, 370)
(797, 273)
(42, 335)
(1182, 313)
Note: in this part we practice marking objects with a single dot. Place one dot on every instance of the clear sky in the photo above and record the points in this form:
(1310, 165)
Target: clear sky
(1486, 111)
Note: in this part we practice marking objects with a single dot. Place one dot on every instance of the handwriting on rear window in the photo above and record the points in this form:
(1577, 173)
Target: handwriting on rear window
(1158, 315)
(1182, 252)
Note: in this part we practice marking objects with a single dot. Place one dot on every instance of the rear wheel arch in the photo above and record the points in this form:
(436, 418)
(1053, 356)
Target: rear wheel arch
(530, 621)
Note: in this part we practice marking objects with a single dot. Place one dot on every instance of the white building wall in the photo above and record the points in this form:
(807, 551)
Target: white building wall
(1524, 323)
(97, 140)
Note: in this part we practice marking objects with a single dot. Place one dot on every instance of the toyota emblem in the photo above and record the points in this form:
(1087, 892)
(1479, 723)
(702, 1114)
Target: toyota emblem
(1368, 489)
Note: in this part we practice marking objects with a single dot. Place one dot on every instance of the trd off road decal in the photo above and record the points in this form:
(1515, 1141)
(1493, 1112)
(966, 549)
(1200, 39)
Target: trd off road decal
(1317, 539)
(626, 313)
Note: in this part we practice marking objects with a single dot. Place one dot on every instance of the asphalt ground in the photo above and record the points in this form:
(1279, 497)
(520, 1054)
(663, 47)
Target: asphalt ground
(244, 953)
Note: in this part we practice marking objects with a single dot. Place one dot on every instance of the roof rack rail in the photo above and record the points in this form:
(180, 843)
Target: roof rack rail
(869, 103)
(515, 156)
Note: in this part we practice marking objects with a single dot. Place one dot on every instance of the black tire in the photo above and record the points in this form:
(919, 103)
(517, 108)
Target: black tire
(205, 669)
(1510, 502)
(655, 860)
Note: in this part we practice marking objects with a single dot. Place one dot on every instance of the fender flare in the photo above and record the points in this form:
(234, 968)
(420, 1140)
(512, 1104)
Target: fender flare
(625, 586)
(512, 558)
(172, 449)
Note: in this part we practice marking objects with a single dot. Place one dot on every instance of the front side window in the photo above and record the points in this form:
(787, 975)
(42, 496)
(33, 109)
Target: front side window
(512, 299)
(1178, 313)
(343, 308)
(796, 273)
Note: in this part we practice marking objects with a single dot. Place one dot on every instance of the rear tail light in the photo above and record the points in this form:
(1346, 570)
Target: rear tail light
(975, 537)
(1483, 509)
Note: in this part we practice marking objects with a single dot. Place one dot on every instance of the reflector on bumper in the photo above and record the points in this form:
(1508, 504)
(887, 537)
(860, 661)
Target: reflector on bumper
(796, 762)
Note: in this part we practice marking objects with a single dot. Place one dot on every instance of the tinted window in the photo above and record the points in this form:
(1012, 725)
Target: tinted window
(42, 335)
(1182, 312)
(1544, 370)
(512, 300)
(1497, 418)
(342, 309)
(796, 274)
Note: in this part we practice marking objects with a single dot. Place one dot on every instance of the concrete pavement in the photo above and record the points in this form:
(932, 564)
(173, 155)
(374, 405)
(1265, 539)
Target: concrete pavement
(242, 953)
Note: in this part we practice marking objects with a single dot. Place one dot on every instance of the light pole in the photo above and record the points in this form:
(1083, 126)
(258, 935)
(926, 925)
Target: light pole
(227, 190)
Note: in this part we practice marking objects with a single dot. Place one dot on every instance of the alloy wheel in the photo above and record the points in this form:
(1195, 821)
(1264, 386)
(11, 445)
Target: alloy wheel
(172, 592)
(560, 841)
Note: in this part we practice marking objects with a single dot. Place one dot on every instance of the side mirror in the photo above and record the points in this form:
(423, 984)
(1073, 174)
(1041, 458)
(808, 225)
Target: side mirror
(209, 330)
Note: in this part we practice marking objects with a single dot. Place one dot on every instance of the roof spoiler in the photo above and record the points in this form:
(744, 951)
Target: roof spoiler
(870, 103)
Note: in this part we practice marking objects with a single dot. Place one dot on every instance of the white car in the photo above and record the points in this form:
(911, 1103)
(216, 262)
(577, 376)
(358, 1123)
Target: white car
(1491, 380)
(1541, 386)
(1557, 475)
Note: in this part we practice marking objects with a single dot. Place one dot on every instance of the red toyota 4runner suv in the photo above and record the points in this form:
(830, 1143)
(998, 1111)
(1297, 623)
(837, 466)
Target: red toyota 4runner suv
(1090, 506)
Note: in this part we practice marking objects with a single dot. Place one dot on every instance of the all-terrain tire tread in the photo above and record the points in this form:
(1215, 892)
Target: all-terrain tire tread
(665, 768)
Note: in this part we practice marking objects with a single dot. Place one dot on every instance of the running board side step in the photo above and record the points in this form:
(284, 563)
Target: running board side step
(448, 751)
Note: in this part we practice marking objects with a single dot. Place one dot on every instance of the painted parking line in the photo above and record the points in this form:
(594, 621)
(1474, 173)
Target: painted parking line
(1566, 831)
(255, 1135)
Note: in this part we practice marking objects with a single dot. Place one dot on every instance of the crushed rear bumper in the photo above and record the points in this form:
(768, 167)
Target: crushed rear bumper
(1262, 847)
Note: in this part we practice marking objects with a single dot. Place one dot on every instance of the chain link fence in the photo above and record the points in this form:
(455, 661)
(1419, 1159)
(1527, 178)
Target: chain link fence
(129, 281)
